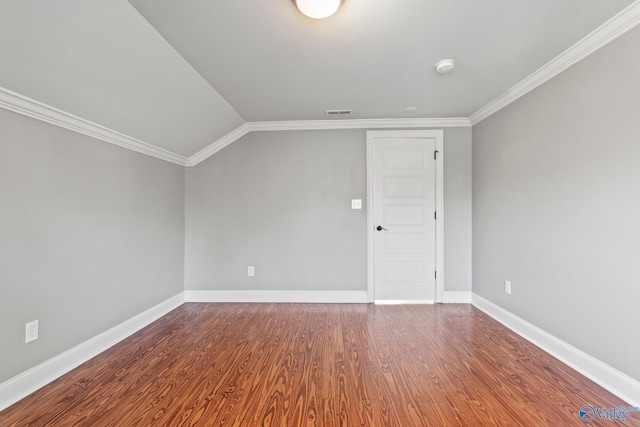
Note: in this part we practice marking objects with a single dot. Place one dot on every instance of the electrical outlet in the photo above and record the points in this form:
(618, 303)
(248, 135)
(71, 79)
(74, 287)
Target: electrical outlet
(251, 271)
(356, 204)
(507, 287)
(31, 332)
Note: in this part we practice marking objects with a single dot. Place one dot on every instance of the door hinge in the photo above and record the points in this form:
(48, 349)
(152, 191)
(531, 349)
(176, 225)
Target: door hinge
(435, 154)
(435, 274)
(435, 215)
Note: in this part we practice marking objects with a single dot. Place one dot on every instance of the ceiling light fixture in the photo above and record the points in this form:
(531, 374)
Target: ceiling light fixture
(318, 9)
(445, 66)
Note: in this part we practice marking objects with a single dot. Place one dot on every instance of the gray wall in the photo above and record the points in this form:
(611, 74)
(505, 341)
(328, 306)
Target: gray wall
(556, 205)
(281, 201)
(90, 235)
(457, 209)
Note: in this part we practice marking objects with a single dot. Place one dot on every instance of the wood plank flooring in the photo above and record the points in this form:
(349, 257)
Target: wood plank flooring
(318, 365)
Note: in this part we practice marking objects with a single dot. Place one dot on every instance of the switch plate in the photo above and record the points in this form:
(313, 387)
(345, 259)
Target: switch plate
(251, 271)
(356, 204)
(507, 287)
(31, 331)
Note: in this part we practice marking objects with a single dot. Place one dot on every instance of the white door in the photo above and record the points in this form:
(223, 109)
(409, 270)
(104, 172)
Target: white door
(403, 214)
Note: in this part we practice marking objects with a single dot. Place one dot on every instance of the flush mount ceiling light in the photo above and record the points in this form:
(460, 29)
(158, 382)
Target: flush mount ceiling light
(445, 66)
(318, 9)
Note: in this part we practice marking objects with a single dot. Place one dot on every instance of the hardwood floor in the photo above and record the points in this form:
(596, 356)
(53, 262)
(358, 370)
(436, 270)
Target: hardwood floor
(318, 365)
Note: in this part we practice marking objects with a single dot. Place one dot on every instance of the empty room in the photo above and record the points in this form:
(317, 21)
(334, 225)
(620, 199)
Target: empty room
(319, 213)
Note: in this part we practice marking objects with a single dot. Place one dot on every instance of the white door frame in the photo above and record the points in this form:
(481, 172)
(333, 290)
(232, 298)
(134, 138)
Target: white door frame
(438, 135)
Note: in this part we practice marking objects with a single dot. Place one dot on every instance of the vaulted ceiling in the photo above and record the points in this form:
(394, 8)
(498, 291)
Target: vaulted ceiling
(179, 75)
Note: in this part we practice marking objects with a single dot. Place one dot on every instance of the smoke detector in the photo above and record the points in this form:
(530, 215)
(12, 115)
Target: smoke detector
(445, 66)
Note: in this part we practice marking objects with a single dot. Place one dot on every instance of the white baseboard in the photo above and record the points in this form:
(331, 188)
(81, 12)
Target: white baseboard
(450, 297)
(277, 296)
(618, 383)
(402, 301)
(29, 381)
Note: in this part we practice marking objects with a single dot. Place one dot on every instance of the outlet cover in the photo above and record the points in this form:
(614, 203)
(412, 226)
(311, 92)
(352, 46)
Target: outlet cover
(251, 271)
(31, 332)
(507, 287)
(356, 203)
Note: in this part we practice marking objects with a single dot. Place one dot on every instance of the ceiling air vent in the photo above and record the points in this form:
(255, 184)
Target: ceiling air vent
(338, 113)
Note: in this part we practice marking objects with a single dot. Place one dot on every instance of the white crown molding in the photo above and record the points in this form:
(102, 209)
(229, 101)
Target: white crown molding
(218, 145)
(360, 124)
(615, 27)
(21, 104)
(323, 125)
(29, 381)
(31, 108)
(319, 297)
(618, 383)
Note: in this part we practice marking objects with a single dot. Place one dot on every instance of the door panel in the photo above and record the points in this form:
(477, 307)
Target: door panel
(404, 204)
(403, 186)
(403, 157)
(403, 271)
(403, 243)
(403, 215)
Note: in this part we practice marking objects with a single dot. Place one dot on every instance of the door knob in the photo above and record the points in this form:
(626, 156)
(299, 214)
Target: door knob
(380, 228)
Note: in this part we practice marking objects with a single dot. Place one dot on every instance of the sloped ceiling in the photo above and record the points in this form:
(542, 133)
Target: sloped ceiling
(179, 75)
(102, 61)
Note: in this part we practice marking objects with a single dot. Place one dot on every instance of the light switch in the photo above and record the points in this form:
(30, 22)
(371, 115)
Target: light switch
(356, 204)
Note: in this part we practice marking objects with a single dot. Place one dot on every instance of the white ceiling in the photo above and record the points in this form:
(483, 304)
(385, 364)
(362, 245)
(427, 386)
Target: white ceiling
(181, 74)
